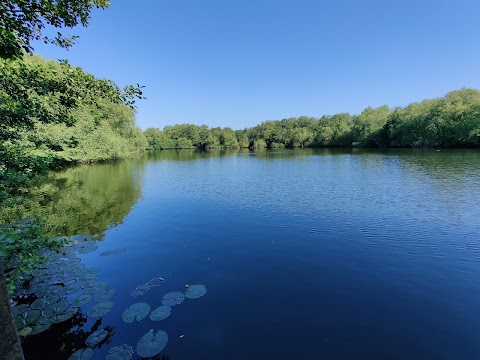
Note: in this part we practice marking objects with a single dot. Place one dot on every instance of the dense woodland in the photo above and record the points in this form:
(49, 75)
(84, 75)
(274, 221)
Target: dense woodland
(449, 121)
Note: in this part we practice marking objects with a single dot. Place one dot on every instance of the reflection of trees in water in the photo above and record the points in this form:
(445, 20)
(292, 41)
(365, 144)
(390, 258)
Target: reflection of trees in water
(83, 199)
(63, 339)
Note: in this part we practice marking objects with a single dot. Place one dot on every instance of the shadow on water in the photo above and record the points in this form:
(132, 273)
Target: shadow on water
(63, 339)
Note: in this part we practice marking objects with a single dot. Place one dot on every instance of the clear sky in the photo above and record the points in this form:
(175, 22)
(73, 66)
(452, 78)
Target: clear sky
(237, 63)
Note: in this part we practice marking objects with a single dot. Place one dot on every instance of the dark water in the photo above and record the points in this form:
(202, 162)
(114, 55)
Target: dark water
(306, 254)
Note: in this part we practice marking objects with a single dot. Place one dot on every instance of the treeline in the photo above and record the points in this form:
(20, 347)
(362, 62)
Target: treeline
(54, 114)
(449, 121)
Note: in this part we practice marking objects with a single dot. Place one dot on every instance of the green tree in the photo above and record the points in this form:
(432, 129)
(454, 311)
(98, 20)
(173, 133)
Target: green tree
(367, 127)
(22, 21)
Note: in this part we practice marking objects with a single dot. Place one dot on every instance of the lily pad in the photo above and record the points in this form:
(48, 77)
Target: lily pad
(81, 300)
(155, 282)
(87, 249)
(113, 252)
(56, 308)
(64, 316)
(173, 298)
(82, 354)
(41, 325)
(195, 291)
(27, 317)
(100, 309)
(95, 288)
(40, 289)
(72, 288)
(58, 289)
(43, 302)
(27, 330)
(138, 311)
(160, 313)
(104, 295)
(140, 290)
(123, 352)
(152, 344)
(20, 309)
(96, 337)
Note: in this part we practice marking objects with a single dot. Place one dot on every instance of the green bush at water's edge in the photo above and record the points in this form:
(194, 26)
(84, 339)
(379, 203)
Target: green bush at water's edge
(54, 114)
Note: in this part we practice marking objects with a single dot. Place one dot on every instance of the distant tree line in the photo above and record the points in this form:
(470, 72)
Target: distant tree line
(449, 121)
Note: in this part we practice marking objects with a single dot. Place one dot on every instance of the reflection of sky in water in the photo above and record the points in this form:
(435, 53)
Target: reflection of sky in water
(357, 254)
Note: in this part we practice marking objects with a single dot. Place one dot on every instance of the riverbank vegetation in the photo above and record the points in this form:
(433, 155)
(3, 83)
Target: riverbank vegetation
(449, 121)
(54, 114)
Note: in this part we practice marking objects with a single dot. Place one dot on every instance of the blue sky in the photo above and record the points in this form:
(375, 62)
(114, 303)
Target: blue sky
(238, 63)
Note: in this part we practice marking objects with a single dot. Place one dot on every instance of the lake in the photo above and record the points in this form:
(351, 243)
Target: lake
(305, 254)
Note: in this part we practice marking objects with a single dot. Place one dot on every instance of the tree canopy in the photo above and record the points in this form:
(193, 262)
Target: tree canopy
(22, 21)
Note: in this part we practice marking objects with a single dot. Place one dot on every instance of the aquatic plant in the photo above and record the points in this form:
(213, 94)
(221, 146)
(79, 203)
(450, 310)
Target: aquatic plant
(138, 311)
(100, 309)
(41, 325)
(56, 308)
(160, 313)
(82, 354)
(95, 288)
(96, 337)
(123, 352)
(152, 344)
(141, 290)
(42, 302)
(155, 282)
(104, 295)
(81, 300)
(173, 298)
(113, 252)
(26, 317)
(195, 291)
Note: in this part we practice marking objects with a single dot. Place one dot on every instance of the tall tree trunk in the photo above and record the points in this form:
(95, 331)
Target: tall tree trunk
(10, 348)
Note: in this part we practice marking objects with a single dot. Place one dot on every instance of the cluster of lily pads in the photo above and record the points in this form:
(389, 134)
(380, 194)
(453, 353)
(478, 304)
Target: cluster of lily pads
(151, 343)
(62, 286)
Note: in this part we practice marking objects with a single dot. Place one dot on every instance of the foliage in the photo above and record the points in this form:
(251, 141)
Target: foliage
(22, 21)
(21, 246)
(450, 121)
(54, 114)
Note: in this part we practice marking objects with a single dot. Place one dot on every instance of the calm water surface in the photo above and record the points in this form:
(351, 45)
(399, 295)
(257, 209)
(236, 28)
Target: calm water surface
(306, 254)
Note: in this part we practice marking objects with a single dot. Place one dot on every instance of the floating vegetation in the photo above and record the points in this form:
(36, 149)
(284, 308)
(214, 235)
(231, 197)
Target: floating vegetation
(72, 288)
(195, 291)
(113, 252)
(144, 288)
(104, 295)
(81, 300)
(96, 337)
(100, 309)
(82, 354)
(56, 308)
(27, 317)
(123, 352)
(155, 282)
(139, 291)
(87, 249)
(27, 330)
(152, 344)
(41, 325)
(64, 316)
(95, 288)
(160, 313)
(42, 302)
(173, 298)
(138, 311)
